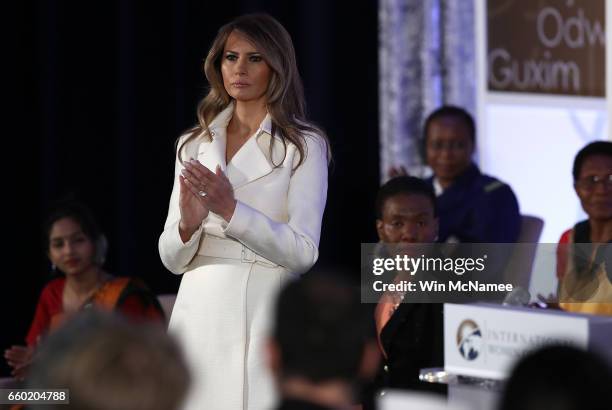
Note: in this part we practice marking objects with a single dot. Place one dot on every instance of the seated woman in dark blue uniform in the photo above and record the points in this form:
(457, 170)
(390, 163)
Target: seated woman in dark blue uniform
(473, 207)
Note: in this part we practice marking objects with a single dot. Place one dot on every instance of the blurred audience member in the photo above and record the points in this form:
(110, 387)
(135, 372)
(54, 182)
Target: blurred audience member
(77, 248)
(472, 207)
(582, 253)
(108, 363)
(410, 334)
(560, 378)
(322, 344)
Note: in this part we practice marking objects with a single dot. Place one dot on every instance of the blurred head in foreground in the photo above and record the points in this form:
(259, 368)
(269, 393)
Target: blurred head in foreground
(560, 378)
(323, 342)
(110, 364)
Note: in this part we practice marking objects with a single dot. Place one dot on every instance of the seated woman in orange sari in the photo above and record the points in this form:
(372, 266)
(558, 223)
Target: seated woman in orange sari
(584, 255)
(76, 247)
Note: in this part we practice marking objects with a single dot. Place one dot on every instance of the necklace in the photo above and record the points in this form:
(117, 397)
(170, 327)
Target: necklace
(75, 300)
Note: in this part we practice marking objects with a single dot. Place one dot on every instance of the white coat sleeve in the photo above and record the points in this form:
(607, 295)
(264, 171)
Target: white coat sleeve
(174, 253)
(294, 244)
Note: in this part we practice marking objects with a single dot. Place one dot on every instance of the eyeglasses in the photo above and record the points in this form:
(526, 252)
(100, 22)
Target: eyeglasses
(449, 145)
(588, 183)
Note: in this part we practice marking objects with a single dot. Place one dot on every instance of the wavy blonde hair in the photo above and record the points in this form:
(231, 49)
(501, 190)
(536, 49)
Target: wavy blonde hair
(285, 93)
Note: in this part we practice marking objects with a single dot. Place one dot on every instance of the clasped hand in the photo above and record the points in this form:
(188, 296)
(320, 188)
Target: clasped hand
(19, 358)
(202, 191)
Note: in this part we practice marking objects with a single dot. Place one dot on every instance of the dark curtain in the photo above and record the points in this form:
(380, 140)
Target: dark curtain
(99, 91)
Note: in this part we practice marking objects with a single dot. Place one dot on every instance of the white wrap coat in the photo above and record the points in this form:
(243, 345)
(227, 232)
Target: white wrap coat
(232, 271)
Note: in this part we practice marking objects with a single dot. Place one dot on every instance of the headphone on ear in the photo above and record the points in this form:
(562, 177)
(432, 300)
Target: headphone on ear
(422, 142)
(423, 150)
(101, 247)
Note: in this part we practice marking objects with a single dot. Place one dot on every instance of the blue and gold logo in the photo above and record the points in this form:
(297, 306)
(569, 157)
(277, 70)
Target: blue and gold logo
(469, 339)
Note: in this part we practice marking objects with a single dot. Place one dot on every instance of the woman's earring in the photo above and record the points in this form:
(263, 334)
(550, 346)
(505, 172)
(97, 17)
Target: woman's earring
(53, 268)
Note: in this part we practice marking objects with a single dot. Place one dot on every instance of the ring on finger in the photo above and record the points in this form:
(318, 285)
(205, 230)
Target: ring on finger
(202, 193)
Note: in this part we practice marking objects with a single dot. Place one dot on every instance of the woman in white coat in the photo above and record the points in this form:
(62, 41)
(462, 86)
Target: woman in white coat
(245, 211)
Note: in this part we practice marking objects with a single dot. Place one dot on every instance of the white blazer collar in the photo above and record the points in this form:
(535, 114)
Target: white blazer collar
(251, 162)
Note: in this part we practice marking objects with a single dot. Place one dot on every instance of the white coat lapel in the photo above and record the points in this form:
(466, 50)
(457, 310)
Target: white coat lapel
(212, 153)
(250, 163)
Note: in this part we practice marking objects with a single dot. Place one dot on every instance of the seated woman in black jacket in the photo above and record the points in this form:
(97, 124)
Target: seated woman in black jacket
(410, 334)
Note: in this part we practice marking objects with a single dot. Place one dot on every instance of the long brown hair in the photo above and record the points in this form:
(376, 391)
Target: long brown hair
(285, 93)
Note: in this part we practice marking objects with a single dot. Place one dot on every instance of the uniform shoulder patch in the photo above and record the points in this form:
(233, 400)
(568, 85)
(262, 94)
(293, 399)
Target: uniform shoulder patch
(492, 186)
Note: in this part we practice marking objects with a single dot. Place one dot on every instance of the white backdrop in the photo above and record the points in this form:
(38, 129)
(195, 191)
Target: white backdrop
(530, 141)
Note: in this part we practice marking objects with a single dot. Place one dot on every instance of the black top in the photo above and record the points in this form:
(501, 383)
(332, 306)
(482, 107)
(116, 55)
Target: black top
(295, 404)
(413, 339)
(478, 208)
